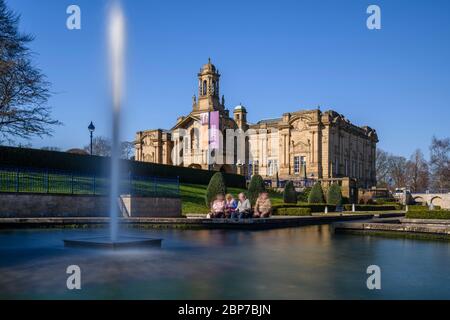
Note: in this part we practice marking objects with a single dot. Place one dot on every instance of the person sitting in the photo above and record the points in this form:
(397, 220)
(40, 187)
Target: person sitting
(244, 209)
(230, 206)
(217, 207)
(263, 206)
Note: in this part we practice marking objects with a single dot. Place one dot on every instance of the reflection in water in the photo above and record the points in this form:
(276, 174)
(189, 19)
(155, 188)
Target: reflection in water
(296, 263)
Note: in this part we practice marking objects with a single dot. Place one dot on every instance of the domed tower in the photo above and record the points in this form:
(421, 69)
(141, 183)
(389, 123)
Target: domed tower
(208, 88)
(240, 117)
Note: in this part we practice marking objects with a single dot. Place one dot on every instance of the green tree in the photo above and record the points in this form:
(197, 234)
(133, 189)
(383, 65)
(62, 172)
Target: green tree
(289, 193)
(255, 187)
(334, 195)
(304, 195)
(316, 194)
(216, 186)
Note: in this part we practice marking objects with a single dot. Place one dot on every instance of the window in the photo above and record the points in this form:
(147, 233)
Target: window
(303, 162)
(255, 167)
(272, 167)
(346, 168)
(296, 165)
(336, 166)
(205, 87)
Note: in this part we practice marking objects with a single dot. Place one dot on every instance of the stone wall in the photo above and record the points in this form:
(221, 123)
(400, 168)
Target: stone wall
(437, 199)
(45, 205)
(16, 205)
(150, 207)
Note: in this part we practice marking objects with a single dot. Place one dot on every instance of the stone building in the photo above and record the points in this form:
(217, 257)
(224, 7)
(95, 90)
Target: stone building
(303, 145)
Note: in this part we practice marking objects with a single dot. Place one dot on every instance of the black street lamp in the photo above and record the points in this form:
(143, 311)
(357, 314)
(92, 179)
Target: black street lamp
(91, 129)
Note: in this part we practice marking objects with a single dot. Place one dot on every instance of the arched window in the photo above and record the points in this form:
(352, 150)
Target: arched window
(194, 139)
(205, 87)
(214, 87)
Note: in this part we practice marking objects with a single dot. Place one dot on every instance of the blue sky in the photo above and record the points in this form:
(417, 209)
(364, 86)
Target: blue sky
(274, 57)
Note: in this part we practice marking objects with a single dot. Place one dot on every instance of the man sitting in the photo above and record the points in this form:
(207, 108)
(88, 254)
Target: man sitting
(217, 207)
(263, 206)
(244, 209)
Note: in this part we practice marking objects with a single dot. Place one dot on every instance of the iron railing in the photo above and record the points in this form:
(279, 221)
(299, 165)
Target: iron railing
(24, 180)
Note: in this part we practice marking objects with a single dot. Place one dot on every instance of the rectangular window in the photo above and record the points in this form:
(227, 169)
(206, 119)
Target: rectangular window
(346, 168)
(272, 167)
(296, 165)
(256, 167)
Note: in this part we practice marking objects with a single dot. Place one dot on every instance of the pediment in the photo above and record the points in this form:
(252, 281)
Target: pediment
(186, 122)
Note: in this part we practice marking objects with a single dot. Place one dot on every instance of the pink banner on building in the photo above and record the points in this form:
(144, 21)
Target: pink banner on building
(214, 137)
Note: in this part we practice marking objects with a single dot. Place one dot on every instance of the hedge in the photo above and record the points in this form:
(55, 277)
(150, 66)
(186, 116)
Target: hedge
(298, 211)
(421, 208)
(369, 207)
(320, 207)
(90, 165)
(427, 214)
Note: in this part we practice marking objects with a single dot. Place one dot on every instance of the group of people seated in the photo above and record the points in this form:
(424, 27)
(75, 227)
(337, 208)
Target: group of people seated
(228, 207)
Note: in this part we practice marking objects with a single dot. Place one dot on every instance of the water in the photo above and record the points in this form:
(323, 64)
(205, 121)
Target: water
(117, 52)
(298, 263)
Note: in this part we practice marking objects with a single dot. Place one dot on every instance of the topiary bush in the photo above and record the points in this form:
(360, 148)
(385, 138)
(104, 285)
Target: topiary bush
(334, 195)
(216, 186)
(289, 193)
(255, 187)
(316, 194)
(303, 195)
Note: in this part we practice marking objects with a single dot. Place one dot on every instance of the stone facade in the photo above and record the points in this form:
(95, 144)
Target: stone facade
(301, 145)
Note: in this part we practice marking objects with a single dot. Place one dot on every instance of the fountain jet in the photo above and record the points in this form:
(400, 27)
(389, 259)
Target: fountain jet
(116, 29)
(117, 57)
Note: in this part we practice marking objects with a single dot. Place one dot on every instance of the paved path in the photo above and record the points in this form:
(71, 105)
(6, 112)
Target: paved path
(414, 226)
(202, 223)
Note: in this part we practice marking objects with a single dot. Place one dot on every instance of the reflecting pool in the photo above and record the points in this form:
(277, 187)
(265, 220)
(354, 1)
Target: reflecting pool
(296, 263)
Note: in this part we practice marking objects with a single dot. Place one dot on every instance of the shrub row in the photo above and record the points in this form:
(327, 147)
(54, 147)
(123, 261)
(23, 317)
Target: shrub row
(84, 164)
(294, 211)
(315, 207)
(421, 208)
(427, 214)
(369, 207)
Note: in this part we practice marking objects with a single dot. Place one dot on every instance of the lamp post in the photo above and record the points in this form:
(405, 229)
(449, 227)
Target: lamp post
(91, 129)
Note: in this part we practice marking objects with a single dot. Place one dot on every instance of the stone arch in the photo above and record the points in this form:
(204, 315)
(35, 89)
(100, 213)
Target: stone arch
(420, 200)
(436, 201)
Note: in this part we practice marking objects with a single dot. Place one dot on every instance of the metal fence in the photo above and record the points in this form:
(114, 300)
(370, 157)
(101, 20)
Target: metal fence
(22, 180)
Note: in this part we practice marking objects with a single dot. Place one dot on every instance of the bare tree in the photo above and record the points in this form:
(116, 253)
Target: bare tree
(440, 164)
(382, 168)
(418, 172)
(49, 148)
(101, 146)
(127, 151)
(24, 91)
(398, 171)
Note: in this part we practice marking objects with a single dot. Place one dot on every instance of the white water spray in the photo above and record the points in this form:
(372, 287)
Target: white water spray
(117, 57)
